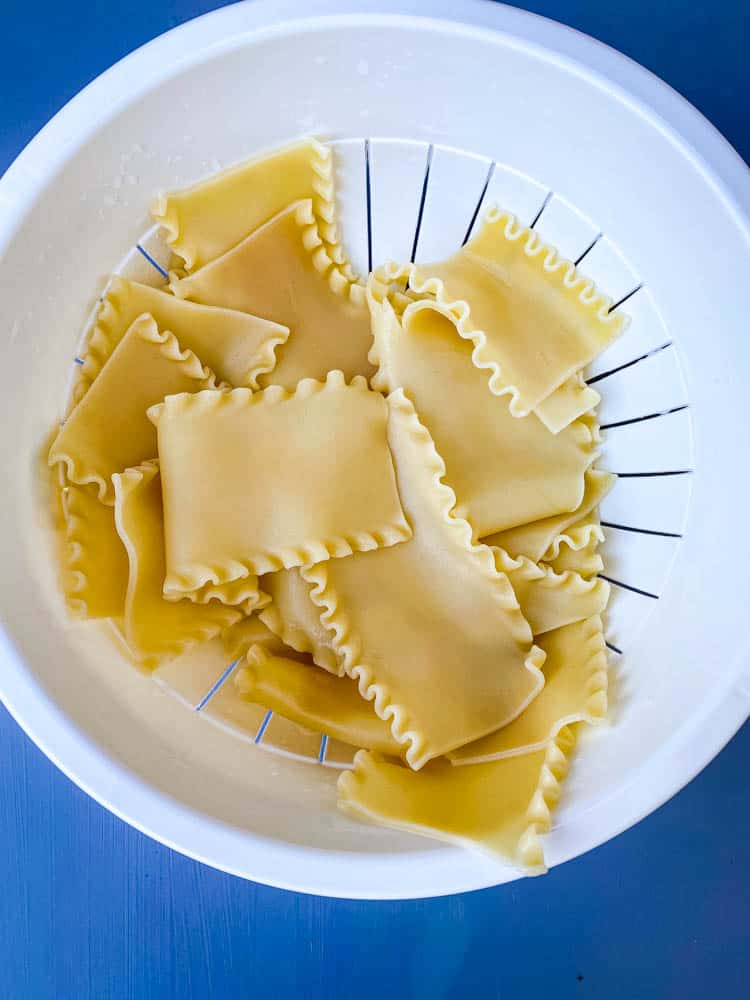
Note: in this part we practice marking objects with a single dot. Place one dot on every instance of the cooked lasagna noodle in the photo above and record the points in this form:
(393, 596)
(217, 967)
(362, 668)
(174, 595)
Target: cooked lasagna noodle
(534, 321)
(352, 519)
(226, 519)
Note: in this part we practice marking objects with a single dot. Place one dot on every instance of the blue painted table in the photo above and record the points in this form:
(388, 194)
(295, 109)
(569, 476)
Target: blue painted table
(90, 908)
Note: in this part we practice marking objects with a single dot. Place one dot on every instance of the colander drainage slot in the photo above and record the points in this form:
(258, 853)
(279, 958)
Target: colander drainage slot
(542, 207)
(478, 208)
(646, 416)
(588, 249)
(647, 475)
(629, 586)
(215, 687)
(640, 531)
(627, 364)
(422, 199)
(152, 262)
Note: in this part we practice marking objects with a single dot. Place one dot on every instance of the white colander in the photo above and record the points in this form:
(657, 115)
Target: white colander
(431, 118)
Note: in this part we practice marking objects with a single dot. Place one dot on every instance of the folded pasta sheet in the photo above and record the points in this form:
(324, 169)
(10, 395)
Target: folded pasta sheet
(108, 431)
(287, 273)
(575, 690)
(568, 402)
(533, 319)
(533, 473)
(548, 599)
(236, 346)
(255, 482)
(295, 619)
(212, 216)
(430, 629)
(540, 539)
(314, 698)
(154, 628)
(499, 808)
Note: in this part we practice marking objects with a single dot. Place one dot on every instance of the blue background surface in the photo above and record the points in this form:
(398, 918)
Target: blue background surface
(91, 908)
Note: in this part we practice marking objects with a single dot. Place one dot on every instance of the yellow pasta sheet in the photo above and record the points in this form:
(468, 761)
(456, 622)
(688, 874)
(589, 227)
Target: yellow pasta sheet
(499, 808)
(285, 272)
(156, 629)
(315, 699)
(430, 629)
(533, 319)
(96, 575)
(207, 219)
(504, 470)
(294, 617)
(540, 539)
(255, 482)
(108, 431)
(236, 346)
(575, 690)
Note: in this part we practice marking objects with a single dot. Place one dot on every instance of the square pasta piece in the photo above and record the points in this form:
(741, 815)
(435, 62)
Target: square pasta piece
(207, 219)
(285, 272)
(96, 571)
(256, 482)
(575, 690)
(315, 699)
(533, 473)
(156, 629)
(430, 629)
(540, 539)
(108, 431)
(295, 618)
(499, 808)
(533, 319)
(236, 346)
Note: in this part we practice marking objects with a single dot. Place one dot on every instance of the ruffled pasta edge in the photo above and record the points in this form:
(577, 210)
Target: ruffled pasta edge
(178, 584)
(75, 581)
(346, 645)
(124, 483)
(553, 772)
(544, 575)
(327, 254)
(246, 598)
(98, 346)
(575, 537)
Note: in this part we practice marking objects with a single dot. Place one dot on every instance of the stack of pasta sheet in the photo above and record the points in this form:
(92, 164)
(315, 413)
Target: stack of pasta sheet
(379, 494)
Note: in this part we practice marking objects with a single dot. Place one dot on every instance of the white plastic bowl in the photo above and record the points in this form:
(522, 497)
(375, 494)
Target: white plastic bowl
(575, 129)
